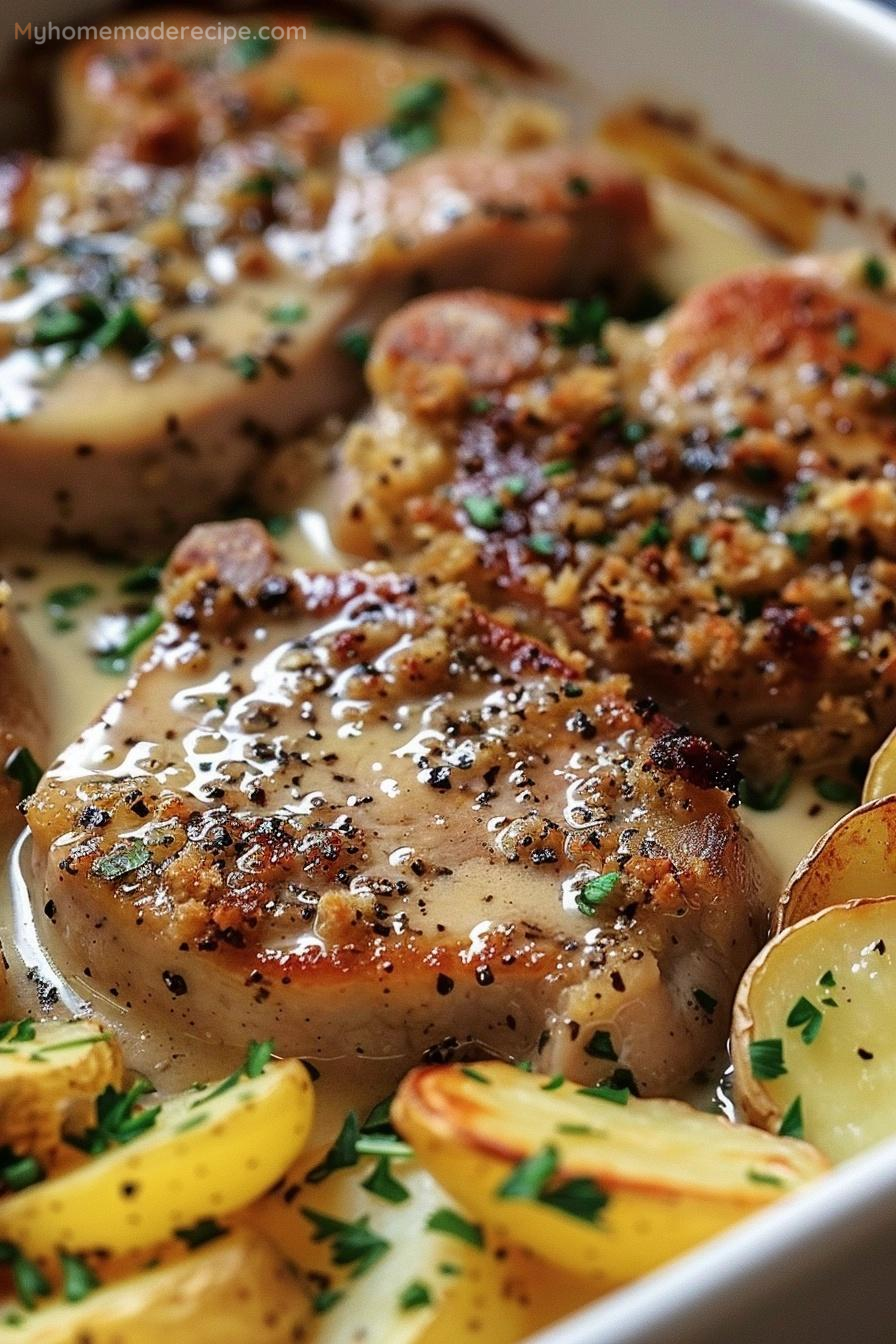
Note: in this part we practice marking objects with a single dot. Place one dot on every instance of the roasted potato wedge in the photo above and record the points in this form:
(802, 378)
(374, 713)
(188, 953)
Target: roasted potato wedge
(50, 1075)
(812, 1041)
(422, 1284)
(857, 858)
(599, 1182)
(206, 1154)
(237, 1289)
(880, 781)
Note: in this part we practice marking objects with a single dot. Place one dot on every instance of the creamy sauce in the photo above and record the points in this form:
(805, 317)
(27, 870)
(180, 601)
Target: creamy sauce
(703, 242)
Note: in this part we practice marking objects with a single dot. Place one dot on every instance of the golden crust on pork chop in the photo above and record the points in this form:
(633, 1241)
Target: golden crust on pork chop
(358, 813)
(707, 505)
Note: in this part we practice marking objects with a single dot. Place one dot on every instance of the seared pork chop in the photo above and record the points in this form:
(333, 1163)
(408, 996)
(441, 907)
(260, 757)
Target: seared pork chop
(360, 815)
(23, 720)
(707, 505)
(162, 328)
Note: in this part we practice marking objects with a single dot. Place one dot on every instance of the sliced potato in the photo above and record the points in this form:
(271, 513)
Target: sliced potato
(50, 1075)
(608, 1187)
(235, 1290)
(856, 858)
(880, 781)
(207, 1154)
(472, 1289)
(812, 1038)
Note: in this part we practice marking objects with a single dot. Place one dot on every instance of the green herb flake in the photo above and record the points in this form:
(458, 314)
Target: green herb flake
(23, 1030)
(326, 1300)
(342, 1153)
(800, 543)
(480, 405)
(656, 533)
(559, 467)
(698, 548)
(122, 859)
(23, 768)
(767, 1058)
(759, 515)
(455, 1225)
(595, 891)
(475, 1075)
(601, 1047)
(354, 1244)
(29, 1279)
(828, 980)
(355, 342)
(805, 1014)
(736, 432)
(847, 336)
(542, 543)
(384, 1185)
(577, 185)
(583, 323)
(874, 272)
(618, 1095)
(118, 1119)
(553, 1084)
(764, 1178)
(20, 1172)
(144, 579)
(791, 1126)
(484, 512)
(530, 1176)
(514, 486)
(764, 798)
(835, 790)
(287, 314)
(143, 628)
(635, 431)
(415, 1295)
(419, 102)
(247, 366)
(125, 331)
(252, 50)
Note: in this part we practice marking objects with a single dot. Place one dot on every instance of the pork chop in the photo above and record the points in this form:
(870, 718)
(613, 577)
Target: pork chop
(707, 505)
(362, 816)
(160, 329)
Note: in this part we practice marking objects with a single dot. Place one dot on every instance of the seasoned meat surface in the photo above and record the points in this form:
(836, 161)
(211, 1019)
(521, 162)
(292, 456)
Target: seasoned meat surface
(24, 726)
(707, 504)
(162, 328)
(361, 815)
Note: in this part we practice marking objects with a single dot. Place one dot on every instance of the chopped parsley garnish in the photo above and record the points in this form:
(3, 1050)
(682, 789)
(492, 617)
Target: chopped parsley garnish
(455, 1225)
(805, 1014)
(577, 185)
(24, 769)
(382, 1183)
(829, 980)
(595, 891)
(354, 1244)
(13, 1032)
(258, 1056)
(17, 1173)
(125, 331)
(580, 1197)
(253, 49)
(484, 512)
(583, 323)
(143, 579)
(835, 790)
(287, 314)
(413, 127)
(601, 1047)
(60, 601)
(542, 543)
(124, 858)
(479, 405)
(764, 798)
(767, 1058)
(656, 533)
(763, 1177)
(759, 515)
(415, 1295)
(78, 1279)
(29, 1279)
(207, 1229)
(116, 659)
(118, 1119)
(698, 548)
(706, 1001)
(418, 102)
(355, 342)
(800, 543)
(559, 467)
(735, 432)
(326, 1300)
(342, 1153)
(553, 1083)
(475, 1075)
(791, 1126)
(247, 366)
(874, 272)
(618, 1095)
(80, 321)
(846, 335)
(635, 431)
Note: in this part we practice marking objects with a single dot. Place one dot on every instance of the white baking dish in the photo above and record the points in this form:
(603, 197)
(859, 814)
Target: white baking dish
(807, 86)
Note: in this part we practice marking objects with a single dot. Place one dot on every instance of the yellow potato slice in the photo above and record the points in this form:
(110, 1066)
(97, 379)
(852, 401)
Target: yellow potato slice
(856, 858)
(812, 1041)
(421, 1284)
(606, 1184)
(236, 1290)
(50, 1075)
(208, 1153)
(880, 781)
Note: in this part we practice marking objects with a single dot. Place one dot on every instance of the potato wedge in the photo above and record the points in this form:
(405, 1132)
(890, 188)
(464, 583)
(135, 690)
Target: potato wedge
(606, 1184)
(880, 781)
(235, 1290)
(471, 1288)
(856, 858)
(50, 1075)
(207, 1154)
(812, 1037)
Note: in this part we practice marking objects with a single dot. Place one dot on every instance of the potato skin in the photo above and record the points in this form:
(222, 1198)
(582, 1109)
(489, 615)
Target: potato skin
(672, 1176)
(235, 1290)
(857, 856)
(193, 1163)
